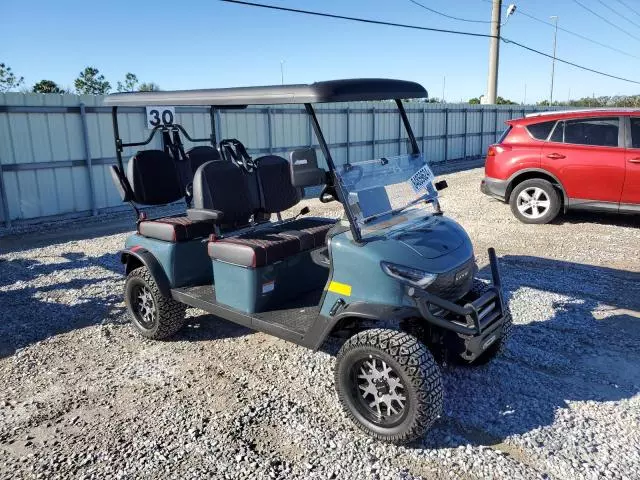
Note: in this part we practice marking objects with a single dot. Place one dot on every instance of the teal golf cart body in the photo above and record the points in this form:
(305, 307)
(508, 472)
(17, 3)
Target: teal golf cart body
(393, 268)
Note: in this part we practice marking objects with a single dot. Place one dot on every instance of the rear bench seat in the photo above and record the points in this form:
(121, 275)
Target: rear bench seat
(153, 180)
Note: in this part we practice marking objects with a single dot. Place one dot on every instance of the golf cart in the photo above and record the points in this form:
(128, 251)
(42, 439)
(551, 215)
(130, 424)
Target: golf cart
(393, 278)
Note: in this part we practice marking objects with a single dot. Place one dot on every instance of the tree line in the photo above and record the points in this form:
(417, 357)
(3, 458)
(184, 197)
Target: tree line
(89, 82)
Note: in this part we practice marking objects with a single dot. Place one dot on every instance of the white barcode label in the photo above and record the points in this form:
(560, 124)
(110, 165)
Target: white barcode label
(421, 179)
(268, 286)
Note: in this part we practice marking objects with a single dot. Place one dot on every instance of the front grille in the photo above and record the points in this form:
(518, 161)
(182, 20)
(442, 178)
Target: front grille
(454, 284)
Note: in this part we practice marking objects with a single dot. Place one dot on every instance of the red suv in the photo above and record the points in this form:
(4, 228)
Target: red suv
(553, 161)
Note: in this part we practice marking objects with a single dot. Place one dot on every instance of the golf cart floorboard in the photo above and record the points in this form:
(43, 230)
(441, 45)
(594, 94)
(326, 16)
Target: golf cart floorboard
(291, 321)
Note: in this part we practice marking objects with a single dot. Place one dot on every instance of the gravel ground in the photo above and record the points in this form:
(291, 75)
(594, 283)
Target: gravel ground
(85, 397)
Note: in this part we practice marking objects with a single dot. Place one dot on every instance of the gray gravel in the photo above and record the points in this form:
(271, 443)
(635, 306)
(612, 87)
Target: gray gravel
(83, 396)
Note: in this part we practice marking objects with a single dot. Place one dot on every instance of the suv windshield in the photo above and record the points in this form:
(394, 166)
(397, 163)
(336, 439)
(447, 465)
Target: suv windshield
(381, 188)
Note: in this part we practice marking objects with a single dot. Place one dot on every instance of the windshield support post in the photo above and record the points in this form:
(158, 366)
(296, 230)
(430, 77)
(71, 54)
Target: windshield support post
(415, 150)
(337, 182)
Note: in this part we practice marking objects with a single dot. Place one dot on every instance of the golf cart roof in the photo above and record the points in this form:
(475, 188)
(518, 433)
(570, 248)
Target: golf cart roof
(349, 90)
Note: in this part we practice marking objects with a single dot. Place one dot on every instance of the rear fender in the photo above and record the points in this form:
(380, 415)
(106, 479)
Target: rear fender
(137, 256)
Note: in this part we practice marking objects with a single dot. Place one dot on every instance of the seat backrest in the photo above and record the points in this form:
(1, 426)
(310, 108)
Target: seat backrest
(200, 155)
(277, 193)
(224, 186)
(304, 168)
(153, 178)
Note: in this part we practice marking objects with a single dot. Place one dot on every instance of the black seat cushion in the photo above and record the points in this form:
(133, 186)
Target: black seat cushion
(277, 191)
(153, 178)
(200, 155)
(174, 229)
(254, 249)
(273, 243)
(316, 227)
(225, 187)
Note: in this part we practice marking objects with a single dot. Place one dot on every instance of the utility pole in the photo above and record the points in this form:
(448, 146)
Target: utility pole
(553, 61)
(282, 72)
(494, 52)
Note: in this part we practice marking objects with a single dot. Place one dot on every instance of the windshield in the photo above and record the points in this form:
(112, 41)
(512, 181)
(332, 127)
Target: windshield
(381, 188)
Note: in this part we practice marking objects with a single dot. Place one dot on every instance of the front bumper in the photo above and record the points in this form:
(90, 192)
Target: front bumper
(494, 187)
(478, 321)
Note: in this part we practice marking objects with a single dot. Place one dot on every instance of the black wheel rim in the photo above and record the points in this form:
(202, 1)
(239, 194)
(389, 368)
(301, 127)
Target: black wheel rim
(144, 306)
(378, 392)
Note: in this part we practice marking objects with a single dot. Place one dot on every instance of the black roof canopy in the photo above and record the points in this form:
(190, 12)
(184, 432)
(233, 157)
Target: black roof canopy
(349, 90)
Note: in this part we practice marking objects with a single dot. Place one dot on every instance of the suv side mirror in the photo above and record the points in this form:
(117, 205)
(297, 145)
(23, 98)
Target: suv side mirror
(441, 185)
(304, 168)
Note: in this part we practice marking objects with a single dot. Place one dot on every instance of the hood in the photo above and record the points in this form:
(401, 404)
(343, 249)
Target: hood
(432, 239)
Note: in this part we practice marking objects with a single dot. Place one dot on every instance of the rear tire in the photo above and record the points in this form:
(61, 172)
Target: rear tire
(535, 201)
(153, 315)
(389, 384)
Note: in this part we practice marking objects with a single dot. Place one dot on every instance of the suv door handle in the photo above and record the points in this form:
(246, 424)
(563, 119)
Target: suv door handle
(555, 156)
(635, 160)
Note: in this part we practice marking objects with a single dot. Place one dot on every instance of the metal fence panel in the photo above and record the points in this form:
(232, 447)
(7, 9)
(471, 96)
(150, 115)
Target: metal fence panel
(55, 150)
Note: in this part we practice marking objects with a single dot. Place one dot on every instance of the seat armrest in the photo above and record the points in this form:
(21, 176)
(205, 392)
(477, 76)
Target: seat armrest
(205, 215)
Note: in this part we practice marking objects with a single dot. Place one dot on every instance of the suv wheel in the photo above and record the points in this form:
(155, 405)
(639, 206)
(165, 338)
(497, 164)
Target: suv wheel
(389, 384)
(535, 201)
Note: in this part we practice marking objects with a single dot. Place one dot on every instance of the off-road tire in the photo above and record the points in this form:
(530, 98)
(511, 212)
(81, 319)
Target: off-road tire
(415, 367)
(478, 289)
(169, 314)
(551, 193)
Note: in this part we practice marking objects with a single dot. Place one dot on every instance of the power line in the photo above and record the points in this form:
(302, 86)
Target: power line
(628, 7)
(416, 27)
(575, 34)
(604, 19)
(448, 16)
(506, 40)
(356, 19)
(608, 7)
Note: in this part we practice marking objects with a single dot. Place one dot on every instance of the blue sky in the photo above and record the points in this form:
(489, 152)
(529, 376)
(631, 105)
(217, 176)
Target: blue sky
(206, 43)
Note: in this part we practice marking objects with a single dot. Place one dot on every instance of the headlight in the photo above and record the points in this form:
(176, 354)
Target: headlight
(407, 274)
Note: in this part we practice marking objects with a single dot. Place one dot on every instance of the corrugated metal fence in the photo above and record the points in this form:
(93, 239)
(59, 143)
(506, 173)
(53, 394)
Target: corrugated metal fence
(55, 150)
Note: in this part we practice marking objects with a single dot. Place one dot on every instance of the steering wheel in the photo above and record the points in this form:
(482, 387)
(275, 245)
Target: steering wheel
(351, 174)
(327, 194)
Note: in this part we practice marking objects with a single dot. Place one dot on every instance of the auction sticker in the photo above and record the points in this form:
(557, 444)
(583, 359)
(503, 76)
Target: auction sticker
(421, 179)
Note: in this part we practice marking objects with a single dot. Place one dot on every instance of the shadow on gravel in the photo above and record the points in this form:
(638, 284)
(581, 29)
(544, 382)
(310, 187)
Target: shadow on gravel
(39, 300)
(209, 327)
(575, 339)
(605, 218)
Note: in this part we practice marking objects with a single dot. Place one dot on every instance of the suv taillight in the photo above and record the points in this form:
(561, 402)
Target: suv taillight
(491, 152)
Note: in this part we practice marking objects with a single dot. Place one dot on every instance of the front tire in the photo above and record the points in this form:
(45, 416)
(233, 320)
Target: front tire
(535, 201)
(389, 384)
(153, 315)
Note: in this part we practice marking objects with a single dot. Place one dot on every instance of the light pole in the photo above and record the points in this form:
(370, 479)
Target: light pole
(553, 61)
(282, 72)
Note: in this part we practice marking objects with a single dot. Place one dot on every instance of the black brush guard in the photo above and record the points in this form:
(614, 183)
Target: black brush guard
(472, 318)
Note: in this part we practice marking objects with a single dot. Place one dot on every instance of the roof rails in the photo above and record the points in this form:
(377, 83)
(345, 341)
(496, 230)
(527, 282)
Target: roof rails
(583, 110)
